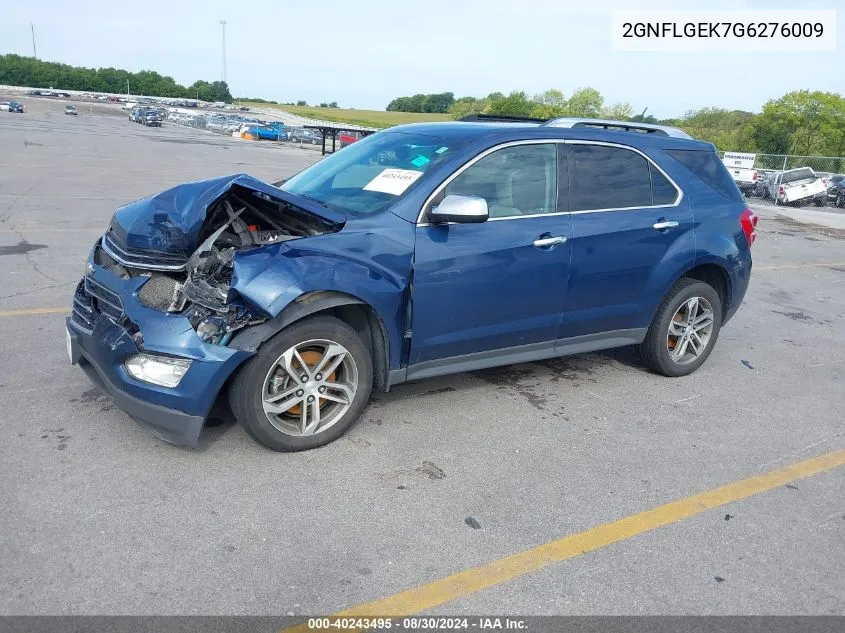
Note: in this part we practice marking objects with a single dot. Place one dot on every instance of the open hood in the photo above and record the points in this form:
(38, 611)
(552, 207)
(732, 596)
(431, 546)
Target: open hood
(172, 221)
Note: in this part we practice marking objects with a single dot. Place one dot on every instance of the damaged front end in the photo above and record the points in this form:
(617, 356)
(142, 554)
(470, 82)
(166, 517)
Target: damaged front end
(186, 242)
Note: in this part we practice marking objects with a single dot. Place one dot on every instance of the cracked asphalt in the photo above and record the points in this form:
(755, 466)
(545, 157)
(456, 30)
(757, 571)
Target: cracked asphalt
(439, 475)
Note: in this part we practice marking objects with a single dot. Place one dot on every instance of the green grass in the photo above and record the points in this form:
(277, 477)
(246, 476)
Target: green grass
(366, 118)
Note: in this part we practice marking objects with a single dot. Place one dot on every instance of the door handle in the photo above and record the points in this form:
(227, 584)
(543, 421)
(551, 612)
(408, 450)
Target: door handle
(664, 224)
(542, 242)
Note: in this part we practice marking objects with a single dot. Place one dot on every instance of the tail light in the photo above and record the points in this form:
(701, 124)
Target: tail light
(781, 190)
(748, 220)
(756, 175)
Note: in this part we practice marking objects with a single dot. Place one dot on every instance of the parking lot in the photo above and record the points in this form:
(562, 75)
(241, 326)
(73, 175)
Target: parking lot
(439, 476)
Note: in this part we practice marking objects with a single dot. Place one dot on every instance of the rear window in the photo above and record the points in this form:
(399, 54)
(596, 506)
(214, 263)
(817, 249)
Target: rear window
(707, 166)
(798, 174)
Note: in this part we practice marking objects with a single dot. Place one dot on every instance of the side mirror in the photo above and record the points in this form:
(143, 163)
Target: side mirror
(460, 209)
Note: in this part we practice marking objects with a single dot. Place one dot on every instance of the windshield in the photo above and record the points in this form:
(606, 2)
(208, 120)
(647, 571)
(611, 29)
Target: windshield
(370, 175)
(798, 174)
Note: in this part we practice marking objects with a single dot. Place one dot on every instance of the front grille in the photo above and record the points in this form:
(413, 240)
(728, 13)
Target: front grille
(139, 258)
(107, 302)
(92, 299)
(158, 293)
(84, 313)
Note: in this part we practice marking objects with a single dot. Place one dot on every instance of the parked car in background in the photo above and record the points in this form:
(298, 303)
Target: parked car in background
(420, 251)
(797, 186)
(12, 106)
(836, 190)
(761, 189)
(347, 138)
(303, 135)
(151, 118)
(71, 109)
(745, 179)
(273, 131)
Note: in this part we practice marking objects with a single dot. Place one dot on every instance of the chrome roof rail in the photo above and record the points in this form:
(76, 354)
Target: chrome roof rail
(626, 126)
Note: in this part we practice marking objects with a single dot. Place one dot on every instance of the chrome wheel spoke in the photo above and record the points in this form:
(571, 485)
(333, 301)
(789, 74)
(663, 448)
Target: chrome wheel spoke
(703, 320)
(680, 349)
(692, 309)
(309, 418)
(344, 393)
(331, 360)
(695, 344)
(282, 401)
(286, 362)
(676, 329)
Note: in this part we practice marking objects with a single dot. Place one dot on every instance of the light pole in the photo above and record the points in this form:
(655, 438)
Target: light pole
(32, 28)
(223, 25)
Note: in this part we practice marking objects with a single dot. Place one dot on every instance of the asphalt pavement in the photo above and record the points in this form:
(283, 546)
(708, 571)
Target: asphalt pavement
(101, 518)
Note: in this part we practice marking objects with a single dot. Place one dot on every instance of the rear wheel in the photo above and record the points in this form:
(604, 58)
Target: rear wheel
(306, 387)
(684, 330)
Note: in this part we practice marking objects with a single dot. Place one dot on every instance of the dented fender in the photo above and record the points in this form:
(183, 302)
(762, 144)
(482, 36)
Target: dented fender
(355, 265)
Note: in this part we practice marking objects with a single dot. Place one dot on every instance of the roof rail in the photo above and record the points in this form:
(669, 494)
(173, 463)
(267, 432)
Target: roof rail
(501, 118)
(627, 126)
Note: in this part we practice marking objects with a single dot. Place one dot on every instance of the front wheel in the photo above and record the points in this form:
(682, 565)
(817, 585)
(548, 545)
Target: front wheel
(306, 386)
(684, 329)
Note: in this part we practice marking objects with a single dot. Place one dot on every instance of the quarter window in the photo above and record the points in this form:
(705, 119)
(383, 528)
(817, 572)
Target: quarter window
(663, 191)
(517, 180)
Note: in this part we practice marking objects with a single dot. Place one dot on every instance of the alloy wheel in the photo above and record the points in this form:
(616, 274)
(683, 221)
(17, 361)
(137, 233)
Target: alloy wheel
(690, 330)
(310, 387)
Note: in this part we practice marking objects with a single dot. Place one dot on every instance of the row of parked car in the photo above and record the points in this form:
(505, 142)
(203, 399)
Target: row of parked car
(245, 126)
(794, 187)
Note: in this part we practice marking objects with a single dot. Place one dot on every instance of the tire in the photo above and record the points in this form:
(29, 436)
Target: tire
(821, 201)
(262, 376)
(657, 348)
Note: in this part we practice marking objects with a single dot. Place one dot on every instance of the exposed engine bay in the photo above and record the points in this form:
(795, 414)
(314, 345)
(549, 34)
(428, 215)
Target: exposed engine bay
(198, 285)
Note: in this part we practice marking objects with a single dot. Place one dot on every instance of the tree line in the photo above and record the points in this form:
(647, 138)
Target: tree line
(802, 122)
(16, 70)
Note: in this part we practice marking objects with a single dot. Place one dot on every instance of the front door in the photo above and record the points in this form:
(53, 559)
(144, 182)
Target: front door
(497, 288)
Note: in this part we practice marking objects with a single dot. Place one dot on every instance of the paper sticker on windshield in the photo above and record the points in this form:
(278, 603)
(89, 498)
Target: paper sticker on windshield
(420, 160)
(440, 150)
(393, 181)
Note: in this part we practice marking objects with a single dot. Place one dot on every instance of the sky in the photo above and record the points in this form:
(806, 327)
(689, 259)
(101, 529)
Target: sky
(363, 53)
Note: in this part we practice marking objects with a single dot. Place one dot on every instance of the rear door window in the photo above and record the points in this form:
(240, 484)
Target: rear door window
(605, 177)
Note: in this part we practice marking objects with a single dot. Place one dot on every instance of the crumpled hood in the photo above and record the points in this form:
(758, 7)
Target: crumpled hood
(170, 221)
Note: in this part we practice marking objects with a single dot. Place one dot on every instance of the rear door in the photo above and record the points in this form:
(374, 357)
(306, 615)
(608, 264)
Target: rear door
(629, 224)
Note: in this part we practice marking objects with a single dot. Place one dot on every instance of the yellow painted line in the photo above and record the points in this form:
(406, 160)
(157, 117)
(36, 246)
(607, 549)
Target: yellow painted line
(787, 266)
(32, 311)
(476, 579)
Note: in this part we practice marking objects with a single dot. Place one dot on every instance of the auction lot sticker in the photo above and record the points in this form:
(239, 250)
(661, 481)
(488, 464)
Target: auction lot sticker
(393, 181)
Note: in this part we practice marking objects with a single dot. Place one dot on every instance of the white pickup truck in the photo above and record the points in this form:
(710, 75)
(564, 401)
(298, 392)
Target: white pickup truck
(797, 186)
(741, 168)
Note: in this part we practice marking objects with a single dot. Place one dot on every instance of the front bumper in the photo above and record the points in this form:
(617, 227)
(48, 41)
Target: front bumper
(106, 314)
(170, 425)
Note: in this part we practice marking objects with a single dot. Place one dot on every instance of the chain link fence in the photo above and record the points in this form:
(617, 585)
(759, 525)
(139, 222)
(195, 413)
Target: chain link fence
(822, 165)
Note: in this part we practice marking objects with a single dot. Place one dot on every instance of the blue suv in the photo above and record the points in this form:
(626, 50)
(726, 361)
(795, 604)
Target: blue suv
(419, 251)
